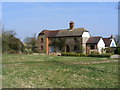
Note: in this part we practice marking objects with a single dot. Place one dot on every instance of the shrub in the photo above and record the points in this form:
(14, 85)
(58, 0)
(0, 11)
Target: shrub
(12, 51)
(83, 55)
(93, 52)
(86, 55)
(110, 50)
(27, 52)
(73, 54)
(100, 55)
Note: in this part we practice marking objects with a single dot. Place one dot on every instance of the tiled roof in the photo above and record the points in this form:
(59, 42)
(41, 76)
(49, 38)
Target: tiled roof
(49, 33)
(64, 32)
(107, 41)
(93, 40)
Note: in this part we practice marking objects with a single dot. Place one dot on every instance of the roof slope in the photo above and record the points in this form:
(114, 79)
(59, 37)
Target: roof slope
(64, 32)
(93, 40)
(107, 41)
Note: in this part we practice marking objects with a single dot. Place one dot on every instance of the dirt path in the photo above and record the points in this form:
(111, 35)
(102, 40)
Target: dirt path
(115, 56)
(96, 62)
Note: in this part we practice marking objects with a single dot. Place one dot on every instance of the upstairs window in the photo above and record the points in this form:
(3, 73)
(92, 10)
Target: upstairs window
(113, 44)
(75, 39)
(41, 47)
(92, 46)
(41, 40)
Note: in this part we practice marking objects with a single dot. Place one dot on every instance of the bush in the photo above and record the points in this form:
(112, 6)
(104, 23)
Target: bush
(12, 51)
(100, 55)
(27, 52)
(73, 54)
(86, 55)
(117, 51)
(110, 50)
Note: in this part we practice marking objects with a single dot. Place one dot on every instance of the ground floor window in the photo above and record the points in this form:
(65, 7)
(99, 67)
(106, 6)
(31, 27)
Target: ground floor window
(67, 48)
(92, 46)
(60, 48)
(75, 48)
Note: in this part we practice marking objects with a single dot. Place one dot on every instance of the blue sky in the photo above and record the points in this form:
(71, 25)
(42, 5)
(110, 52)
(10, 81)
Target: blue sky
(100, 18)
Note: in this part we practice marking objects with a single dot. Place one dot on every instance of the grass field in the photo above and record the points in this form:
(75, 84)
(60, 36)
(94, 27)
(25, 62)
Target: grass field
(45, 71)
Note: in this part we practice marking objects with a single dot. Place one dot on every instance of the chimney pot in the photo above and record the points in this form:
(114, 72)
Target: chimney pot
(71, 25)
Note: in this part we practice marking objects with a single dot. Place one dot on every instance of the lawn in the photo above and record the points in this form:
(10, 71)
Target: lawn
(46, 71)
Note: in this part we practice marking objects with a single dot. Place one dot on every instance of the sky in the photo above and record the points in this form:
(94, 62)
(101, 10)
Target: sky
(59, 0)
(28, 18)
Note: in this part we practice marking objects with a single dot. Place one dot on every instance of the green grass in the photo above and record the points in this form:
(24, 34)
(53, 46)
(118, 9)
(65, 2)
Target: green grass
(46, 71)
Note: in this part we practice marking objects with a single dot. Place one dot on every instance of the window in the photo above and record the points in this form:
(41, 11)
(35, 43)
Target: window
(75, 48)
(75, 39)
(92, 46)
(41, 40)
(67, 48)
(60, 48)
(59, 39)
(112, 44)
(41, 47)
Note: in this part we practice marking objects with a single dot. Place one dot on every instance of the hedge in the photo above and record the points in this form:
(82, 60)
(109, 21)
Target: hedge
(73, 54)
(100, 55)
(86, 55)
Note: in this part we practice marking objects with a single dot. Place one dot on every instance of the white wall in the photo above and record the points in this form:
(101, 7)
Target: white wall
(100, 45)
(85, 34)
(113, 44)
(85, 37)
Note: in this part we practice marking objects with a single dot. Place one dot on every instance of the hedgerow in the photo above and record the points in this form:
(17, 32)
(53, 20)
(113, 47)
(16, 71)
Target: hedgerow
(86, 55)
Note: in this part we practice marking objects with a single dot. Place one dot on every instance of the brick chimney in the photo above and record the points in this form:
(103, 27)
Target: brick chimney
(71, 25)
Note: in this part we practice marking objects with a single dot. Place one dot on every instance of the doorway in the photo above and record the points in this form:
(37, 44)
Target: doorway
(67, 48)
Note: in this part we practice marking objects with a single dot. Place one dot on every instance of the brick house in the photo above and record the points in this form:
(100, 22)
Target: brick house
(69, 40)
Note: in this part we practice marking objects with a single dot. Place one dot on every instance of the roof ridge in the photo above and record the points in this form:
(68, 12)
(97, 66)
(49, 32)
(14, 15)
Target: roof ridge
(64, 32)
(67, 29)
(96, 36)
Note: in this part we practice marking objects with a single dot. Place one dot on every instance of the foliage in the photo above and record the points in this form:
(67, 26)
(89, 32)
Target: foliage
(107, 55)
(54, 43)
(10, 43)
(117, 51)
(58, 42)
(92, 52)
(31, 44)
(103, 50)
(79, 48)
(73, 54)
(62, 42)
(117, 39)
(110, 50)
(86, 55)
(27, 52)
